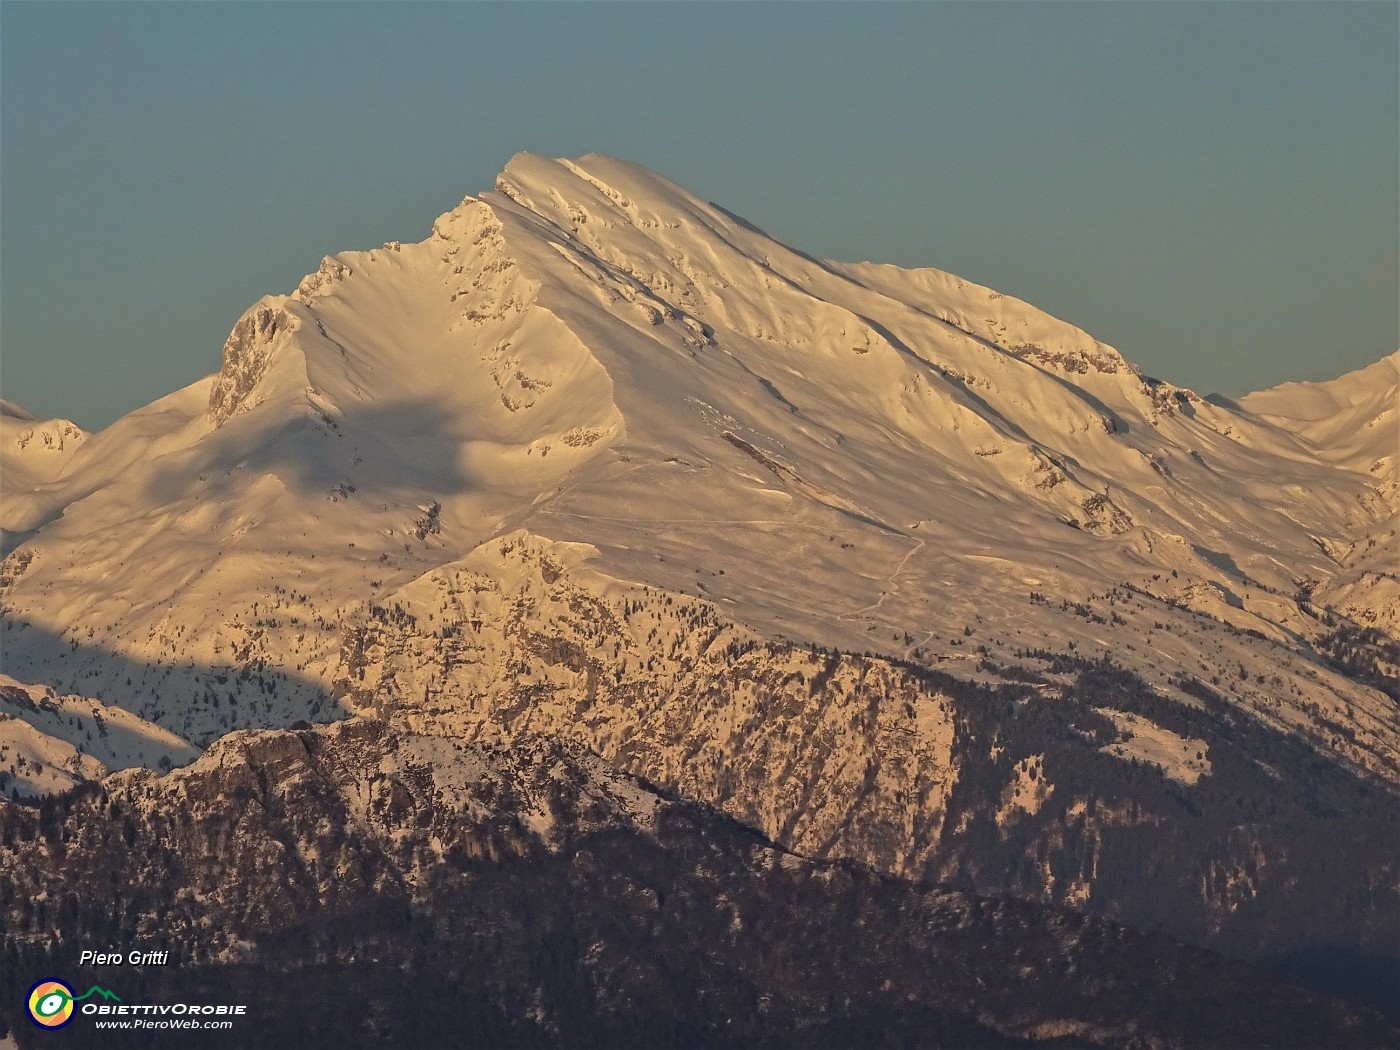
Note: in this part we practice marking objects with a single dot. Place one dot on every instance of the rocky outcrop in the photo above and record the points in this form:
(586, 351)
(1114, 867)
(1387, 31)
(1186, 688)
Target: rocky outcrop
(1141, 809)
(247, 353)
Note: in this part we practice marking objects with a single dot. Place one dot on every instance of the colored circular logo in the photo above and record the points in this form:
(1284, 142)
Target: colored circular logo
(51, 1004)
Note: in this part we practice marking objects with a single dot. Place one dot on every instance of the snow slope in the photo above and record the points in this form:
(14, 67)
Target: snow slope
(33, 453)
(1354, 423)
(49, 743)
(34, 450)
(848, 454)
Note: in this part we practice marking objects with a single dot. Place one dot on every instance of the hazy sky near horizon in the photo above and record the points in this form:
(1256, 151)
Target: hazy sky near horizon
(1214, 188)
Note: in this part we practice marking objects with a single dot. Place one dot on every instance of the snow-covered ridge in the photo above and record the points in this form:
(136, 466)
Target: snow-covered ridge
(1353, 420)
(14, 410)
(33, 450)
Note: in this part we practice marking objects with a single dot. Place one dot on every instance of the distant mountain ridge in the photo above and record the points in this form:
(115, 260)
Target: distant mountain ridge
(411, 886)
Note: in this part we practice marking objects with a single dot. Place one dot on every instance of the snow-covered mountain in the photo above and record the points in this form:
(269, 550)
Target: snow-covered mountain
(854, 455)
(601, 460)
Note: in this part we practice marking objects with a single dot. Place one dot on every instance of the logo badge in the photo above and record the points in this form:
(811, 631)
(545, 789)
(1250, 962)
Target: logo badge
(51, 1004)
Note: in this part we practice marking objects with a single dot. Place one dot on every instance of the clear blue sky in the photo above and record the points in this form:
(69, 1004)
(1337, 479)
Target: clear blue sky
(1211, 187)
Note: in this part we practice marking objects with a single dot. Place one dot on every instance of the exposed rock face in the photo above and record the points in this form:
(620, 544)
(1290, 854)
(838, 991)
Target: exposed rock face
(247, 354)
(831, 755)
(545, 899)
